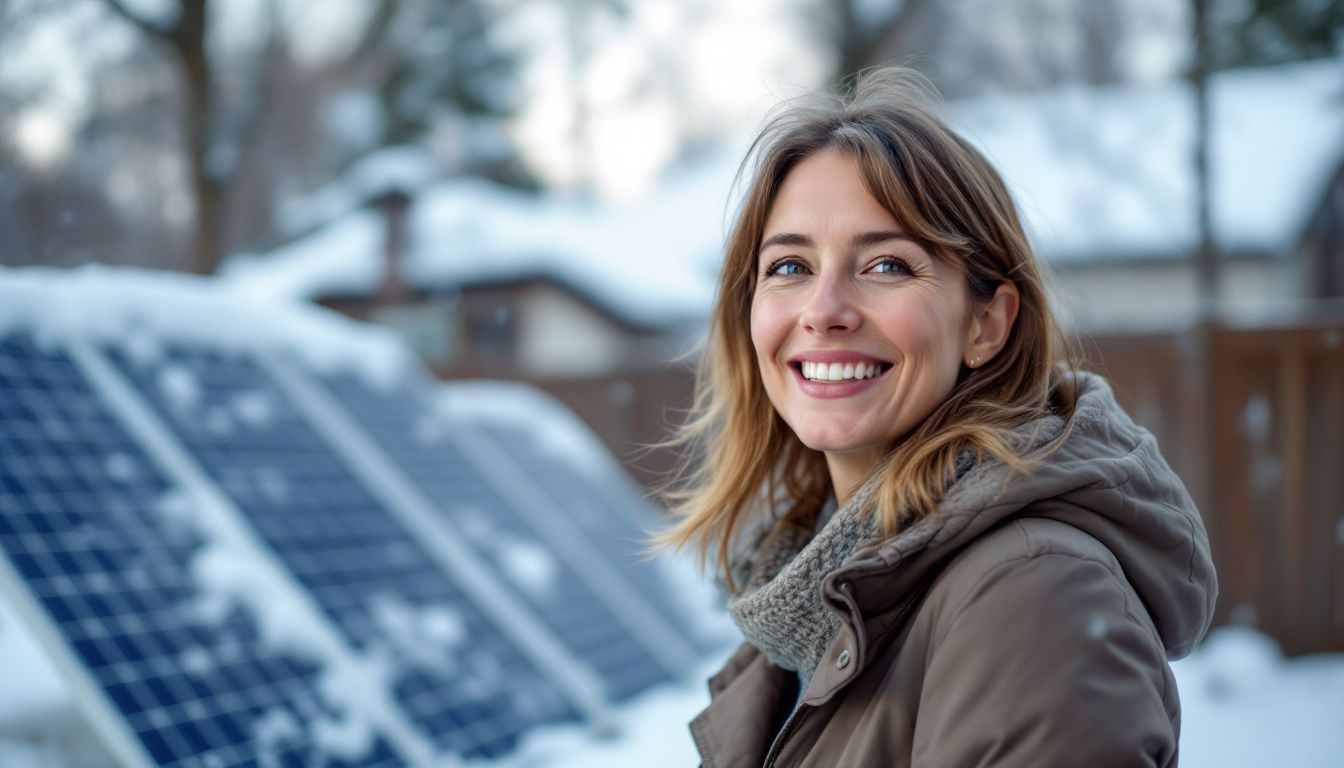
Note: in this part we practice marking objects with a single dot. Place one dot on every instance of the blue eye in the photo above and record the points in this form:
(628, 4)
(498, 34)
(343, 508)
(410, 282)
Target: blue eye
(787, 268)
(892, 266)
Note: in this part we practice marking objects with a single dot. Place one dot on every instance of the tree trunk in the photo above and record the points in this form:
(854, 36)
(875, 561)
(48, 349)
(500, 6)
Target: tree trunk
(207, 246)
(1206, 255)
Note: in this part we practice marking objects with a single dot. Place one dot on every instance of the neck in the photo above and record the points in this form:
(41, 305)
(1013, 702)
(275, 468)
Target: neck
(849, 470)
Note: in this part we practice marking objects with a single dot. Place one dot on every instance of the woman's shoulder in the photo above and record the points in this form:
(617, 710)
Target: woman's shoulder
(1025, 537)
(1034, 638)
(1034, 565)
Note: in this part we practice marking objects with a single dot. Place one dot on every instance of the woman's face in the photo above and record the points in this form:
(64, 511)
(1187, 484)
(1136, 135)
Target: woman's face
(859, 332)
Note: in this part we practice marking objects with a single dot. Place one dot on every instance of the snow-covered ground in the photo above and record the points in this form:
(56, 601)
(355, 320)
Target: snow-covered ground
(1244, 705)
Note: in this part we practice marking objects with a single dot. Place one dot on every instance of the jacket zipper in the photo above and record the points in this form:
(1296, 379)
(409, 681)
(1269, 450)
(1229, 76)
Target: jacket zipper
(789, 725)
(792, 721)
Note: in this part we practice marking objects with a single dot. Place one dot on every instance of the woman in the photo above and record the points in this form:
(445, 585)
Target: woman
(944, 545)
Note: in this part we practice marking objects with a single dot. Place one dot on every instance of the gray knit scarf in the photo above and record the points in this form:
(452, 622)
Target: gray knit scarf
(779, 607)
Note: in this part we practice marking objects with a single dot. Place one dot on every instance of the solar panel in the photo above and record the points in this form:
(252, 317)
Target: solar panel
(457, 675)
(606, 508)
(566, 583)
(98, 544)
(236, 561)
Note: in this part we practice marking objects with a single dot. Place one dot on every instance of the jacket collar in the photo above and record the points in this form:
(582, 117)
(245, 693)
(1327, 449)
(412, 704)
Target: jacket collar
(751, 699)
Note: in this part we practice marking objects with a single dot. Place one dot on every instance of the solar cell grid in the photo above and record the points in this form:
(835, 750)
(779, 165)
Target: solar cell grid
(80, 521)
(610, 513)
(457, 676)
(403, 422)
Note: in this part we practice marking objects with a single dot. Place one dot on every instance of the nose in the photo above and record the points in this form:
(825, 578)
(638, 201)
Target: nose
(829, 310)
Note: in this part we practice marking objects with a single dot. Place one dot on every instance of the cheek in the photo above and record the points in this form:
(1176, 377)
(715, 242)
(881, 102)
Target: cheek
(767, 328)
(927, 329)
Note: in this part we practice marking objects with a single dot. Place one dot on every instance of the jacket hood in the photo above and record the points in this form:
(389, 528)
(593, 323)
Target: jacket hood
(1106, 478)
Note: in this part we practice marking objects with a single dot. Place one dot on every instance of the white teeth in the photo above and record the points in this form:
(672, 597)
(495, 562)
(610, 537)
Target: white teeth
(839, 371)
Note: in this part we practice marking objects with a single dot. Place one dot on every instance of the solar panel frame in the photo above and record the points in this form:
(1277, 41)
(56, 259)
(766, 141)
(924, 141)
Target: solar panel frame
(514, 483)
(619, 502)
(517, 496)
(75, 530)
(402, 497)
(103, 718)
(157, 440)
(206, 449)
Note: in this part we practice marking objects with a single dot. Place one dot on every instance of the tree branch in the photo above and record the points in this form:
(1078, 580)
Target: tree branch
(374, 31)
(161, 30)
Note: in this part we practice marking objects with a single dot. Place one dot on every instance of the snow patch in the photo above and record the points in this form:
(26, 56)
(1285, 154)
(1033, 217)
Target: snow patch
(272, 733)
(229, 579)
(424, 637)
(366, 679)
(528, 565)
(1243, 704)
(552, 427)
(472, 230)
(256, 409)
(33, 695)
(179, 387)
(142, 311)
(1093, 179)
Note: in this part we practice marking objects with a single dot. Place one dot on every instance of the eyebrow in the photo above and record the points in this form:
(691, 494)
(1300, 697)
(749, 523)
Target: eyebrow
(860, 240)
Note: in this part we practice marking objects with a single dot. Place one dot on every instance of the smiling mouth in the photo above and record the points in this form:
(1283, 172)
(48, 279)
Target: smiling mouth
(837, 372)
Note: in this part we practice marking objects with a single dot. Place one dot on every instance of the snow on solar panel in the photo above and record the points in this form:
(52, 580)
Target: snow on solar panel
(541, 441)
(458, 677)
(233, 564)
(107, 554)
(589, 608)
(593, 520)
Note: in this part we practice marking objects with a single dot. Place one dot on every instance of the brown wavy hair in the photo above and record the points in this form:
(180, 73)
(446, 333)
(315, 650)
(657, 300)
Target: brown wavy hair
(739, 459)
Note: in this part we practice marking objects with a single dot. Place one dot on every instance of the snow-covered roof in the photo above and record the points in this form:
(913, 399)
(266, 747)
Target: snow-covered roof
(650, 263)
(1097, 172)
(1109, 172)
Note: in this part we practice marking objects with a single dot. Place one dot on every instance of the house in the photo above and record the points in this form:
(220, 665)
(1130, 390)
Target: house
(1105, 180)
(592, 302)
(488, 281)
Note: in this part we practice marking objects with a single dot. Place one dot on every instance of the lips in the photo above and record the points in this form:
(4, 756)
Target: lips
(863, 373)
(814, 371)
(832, 365)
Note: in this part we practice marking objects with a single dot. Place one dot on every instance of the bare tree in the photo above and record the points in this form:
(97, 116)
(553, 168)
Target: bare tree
(218, 137)
(967, 46)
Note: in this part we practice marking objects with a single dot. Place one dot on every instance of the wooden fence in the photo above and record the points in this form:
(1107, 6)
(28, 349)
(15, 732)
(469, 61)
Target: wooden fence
(1252, 418)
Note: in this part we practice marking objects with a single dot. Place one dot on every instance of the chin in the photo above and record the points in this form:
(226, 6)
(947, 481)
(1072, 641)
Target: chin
(832, 441)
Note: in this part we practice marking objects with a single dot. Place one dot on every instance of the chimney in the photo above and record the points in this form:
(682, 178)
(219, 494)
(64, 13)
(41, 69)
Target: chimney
(394, 204)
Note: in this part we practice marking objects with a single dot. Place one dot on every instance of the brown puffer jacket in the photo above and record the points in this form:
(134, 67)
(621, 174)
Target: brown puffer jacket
(1028, 624)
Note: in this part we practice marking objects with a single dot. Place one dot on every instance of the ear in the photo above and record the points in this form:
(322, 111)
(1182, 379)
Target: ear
(991, 323)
